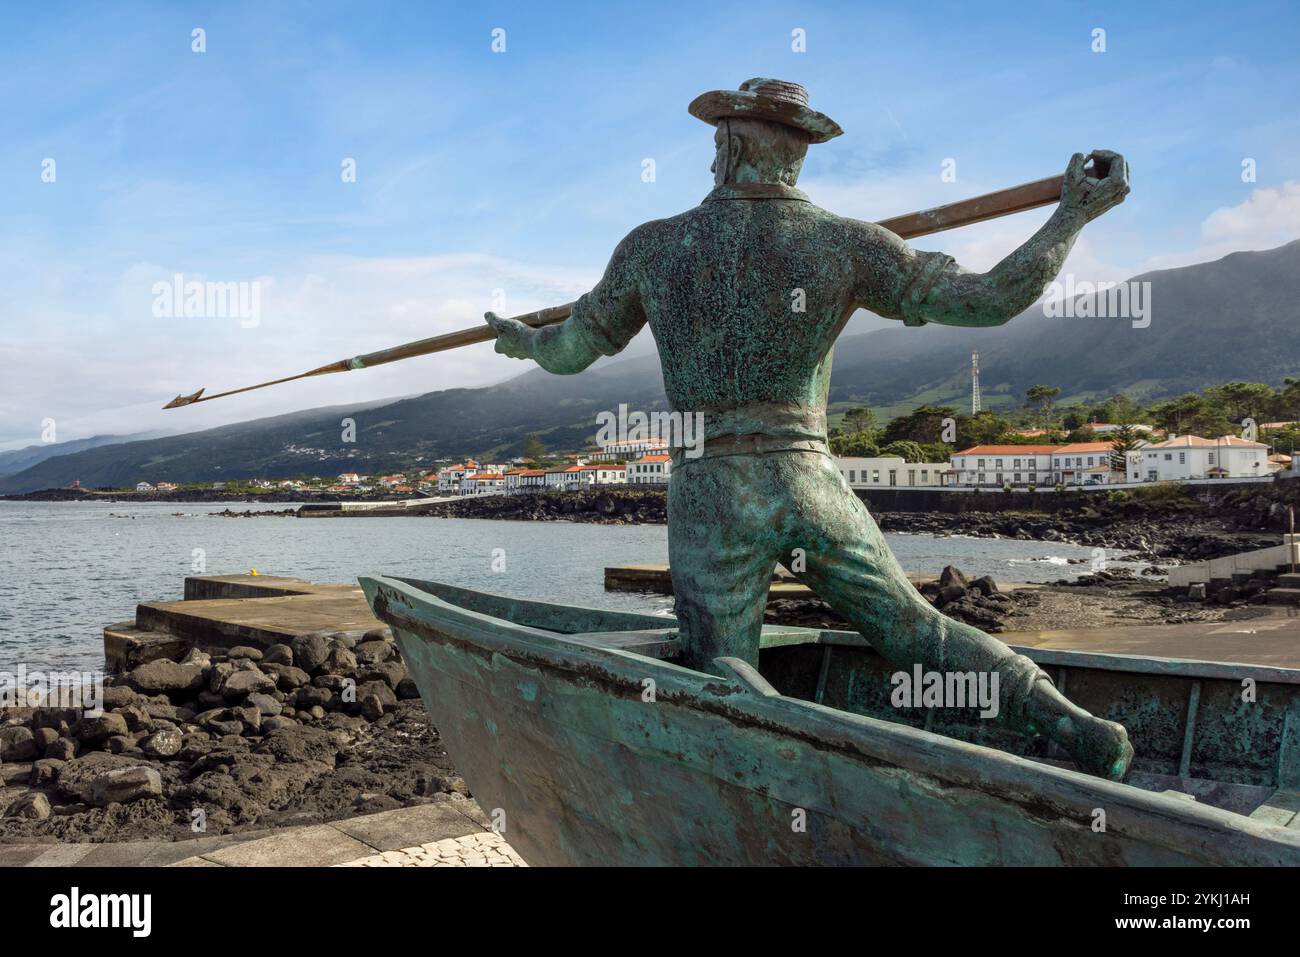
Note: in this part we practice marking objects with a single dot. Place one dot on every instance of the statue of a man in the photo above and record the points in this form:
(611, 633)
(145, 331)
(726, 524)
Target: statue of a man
(718, 286)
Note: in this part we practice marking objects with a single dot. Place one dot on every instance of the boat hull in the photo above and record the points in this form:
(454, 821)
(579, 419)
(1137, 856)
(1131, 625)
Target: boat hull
(598, 756)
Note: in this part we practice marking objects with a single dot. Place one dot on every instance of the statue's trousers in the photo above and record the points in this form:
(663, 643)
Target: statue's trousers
(731, 518)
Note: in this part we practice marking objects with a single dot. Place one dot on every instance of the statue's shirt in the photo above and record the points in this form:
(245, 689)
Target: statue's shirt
(745, 295)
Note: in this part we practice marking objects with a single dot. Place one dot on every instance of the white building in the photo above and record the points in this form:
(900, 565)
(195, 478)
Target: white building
(629, 449)
(143, 487)
(525, 480)
(483, 483)
(349, 478)
(889, 470)
(451, 477)
(1083, 463)
(603, 473)
(1192, 457)
(652, 469)
(996, 466)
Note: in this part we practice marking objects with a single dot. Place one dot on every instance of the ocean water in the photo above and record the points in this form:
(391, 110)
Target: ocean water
(67, 569)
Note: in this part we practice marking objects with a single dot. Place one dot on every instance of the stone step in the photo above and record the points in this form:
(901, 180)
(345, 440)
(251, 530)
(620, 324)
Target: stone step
(1289, 580)
(1284, 596)
(127, 646)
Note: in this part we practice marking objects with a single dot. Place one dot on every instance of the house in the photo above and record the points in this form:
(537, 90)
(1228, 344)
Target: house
(1193, 457)
(483, 483)
(558, 477)
(889, 470)
(143, 487)
(996, 466)
(525, 480)
(604, 473)
(1083, 463)
(652, 469)
(629, 449)
(451, 477)
(167, 486)
(349, 478)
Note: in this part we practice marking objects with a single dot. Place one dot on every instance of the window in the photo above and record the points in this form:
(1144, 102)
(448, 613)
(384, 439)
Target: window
(893, 476)
(1017, 479)
(998, 464)
(1169, 457)
(853, 476)
(1182, 458)
(875, 475)
(980, 464)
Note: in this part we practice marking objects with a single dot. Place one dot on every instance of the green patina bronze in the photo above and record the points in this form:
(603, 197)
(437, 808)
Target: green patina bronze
(580, 732)
(745, 295)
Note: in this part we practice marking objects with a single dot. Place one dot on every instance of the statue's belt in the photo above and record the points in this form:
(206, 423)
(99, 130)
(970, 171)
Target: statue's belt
(754, 444)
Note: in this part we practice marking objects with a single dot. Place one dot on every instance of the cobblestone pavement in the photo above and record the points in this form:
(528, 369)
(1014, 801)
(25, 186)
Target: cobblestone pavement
(472, 850)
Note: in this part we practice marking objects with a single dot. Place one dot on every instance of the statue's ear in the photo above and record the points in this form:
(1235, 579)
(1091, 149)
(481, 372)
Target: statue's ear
(735, 149)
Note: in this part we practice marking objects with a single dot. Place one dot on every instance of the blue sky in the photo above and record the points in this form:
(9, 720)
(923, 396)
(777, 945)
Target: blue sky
(519, 171)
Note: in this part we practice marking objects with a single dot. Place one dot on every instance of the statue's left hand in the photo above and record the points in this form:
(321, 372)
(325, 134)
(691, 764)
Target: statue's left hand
(1092, 195)
(514, 339)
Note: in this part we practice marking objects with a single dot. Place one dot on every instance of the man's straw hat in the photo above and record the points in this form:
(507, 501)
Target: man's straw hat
(762, 99)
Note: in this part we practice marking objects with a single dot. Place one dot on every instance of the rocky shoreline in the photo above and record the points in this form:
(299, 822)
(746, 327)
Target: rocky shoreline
(1180, 530)
(226, 740)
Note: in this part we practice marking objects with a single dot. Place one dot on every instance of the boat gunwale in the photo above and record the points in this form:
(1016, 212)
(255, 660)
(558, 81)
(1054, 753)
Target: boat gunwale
(776, 636)
(1038, 788)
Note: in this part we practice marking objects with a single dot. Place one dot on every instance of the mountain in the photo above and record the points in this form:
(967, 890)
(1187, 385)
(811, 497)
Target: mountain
(17, 460)
(1235, 318)
(407, 433)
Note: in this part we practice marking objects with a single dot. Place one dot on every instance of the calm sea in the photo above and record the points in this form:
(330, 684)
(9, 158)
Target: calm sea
(68, 569)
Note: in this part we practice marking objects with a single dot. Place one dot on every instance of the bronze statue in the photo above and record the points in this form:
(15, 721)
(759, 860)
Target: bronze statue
(718, 286)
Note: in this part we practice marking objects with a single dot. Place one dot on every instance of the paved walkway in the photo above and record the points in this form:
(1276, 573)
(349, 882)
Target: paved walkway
(472, 850)
(403, 831)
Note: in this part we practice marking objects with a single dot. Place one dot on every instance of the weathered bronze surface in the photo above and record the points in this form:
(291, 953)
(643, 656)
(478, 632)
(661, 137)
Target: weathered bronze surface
(745, 295)
(577, 731)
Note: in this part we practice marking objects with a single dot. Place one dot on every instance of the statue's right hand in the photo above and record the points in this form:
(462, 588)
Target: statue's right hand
(514, 339)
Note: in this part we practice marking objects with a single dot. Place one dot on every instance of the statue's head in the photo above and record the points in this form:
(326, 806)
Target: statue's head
(763, 130)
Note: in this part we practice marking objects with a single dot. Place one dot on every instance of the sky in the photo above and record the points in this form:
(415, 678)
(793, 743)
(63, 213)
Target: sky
(503, 178)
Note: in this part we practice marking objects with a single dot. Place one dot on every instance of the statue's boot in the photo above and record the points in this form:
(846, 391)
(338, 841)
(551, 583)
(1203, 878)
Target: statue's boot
(1098, 746)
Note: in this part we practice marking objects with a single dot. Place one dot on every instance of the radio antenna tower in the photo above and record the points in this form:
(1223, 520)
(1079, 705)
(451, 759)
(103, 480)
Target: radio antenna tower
(974, 383)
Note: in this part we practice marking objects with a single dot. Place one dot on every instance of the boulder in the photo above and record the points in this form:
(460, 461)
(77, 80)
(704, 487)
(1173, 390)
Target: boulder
(309, 651)
(118, 696)
(952, 576)
(264, 703)
(246, 652)
(33, 805)
(17, 744)
(95, 730)
(45, 773)
(62, 749)
(125, 785)
(163, 743)
(165, 677)
(278, 655)
(44, 737)
(340, 661)
(240, 684)
(407, 689)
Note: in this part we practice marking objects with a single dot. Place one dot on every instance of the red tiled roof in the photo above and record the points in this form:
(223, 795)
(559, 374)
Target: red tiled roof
(1074, 447)
(1196, 442)
(655, 458)
(1009, 450)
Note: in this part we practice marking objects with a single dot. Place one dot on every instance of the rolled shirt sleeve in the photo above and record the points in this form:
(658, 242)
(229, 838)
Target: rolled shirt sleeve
(603, 321)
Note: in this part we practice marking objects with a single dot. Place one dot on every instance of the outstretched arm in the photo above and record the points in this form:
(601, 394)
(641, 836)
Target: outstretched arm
(601, 324)
(898, 282)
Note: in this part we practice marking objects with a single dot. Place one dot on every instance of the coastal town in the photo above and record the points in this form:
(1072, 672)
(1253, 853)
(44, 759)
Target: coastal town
(1156, 457)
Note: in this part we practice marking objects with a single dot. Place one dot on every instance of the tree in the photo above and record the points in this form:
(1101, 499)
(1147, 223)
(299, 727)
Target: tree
(860, 419)
(1041, 397)
(981, 428)
(1124, 441)
(925, 424)
(907, 450)
(857, 446)
(1242, 400)
(534, 449)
